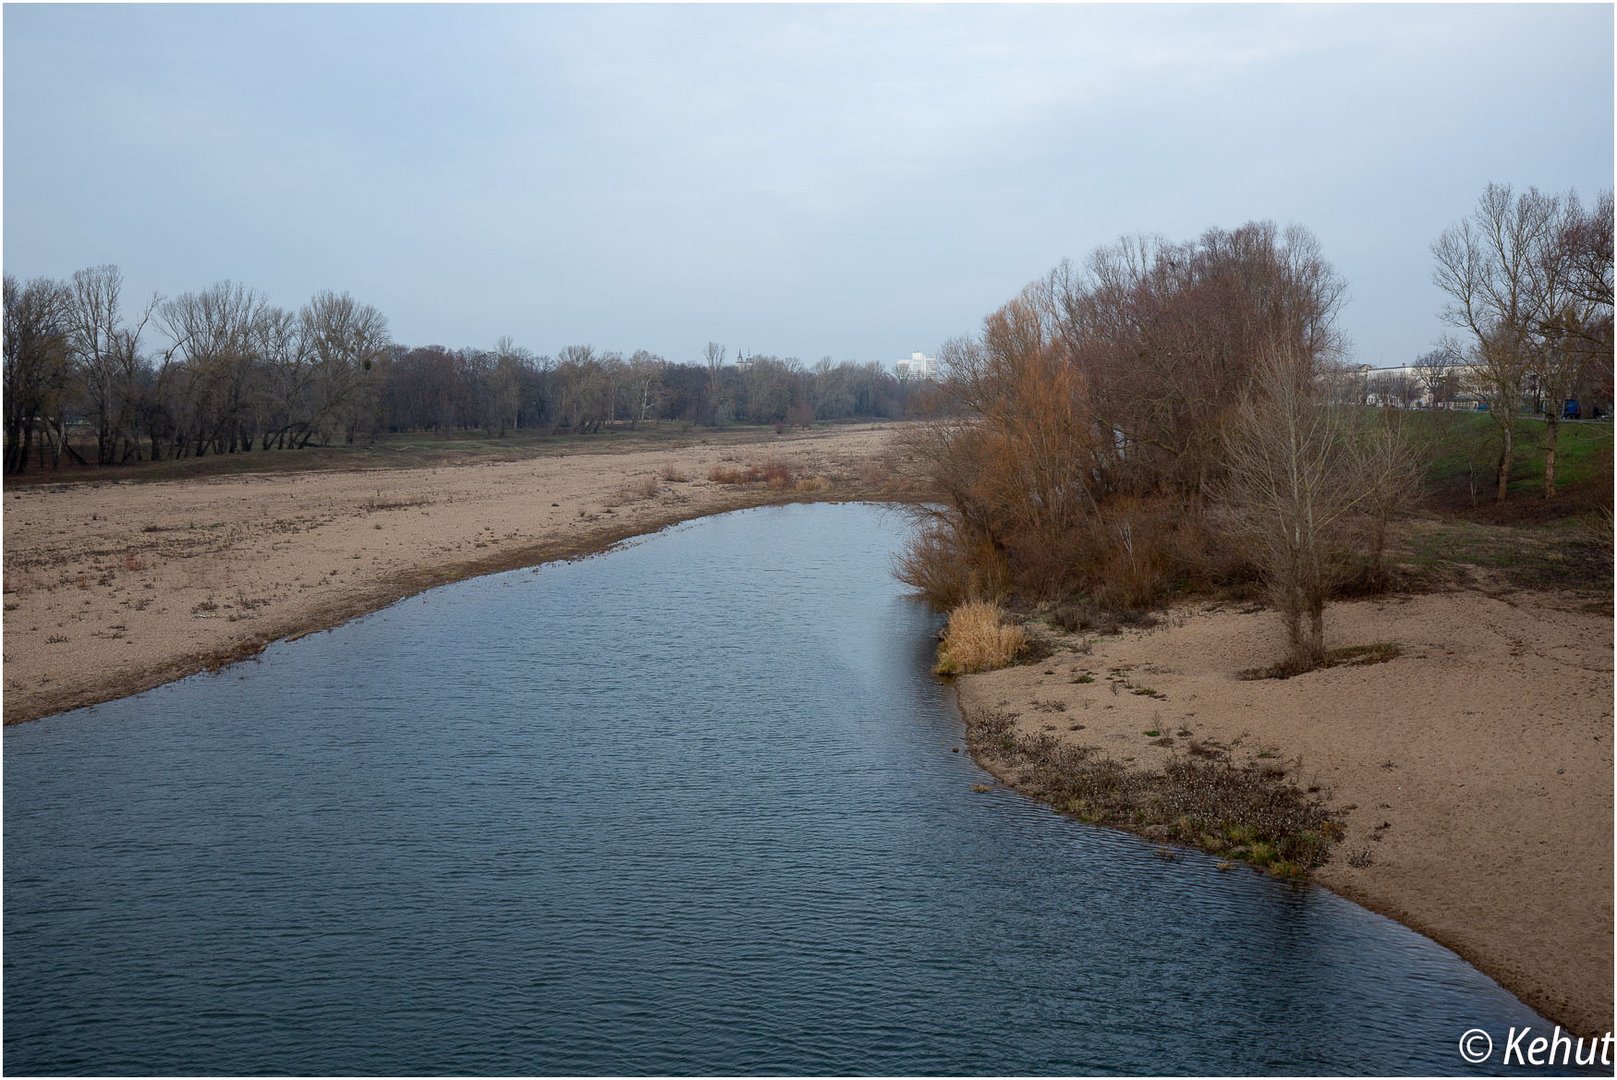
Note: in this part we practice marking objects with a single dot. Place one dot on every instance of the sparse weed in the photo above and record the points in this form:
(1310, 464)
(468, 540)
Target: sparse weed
(1240, 812)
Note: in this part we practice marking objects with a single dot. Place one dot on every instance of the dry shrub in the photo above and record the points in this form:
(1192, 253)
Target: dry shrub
(947, 572)
(775, 474)
(644, 488)
(978, 639)
(134, 562)
(1134, 565)
(675, 475)
(809, 484)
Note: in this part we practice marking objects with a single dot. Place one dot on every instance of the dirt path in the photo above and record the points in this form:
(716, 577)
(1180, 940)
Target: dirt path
(115, 587)
(1475, 769)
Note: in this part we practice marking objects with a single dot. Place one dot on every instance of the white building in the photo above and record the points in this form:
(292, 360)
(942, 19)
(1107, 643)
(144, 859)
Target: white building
(918, 366)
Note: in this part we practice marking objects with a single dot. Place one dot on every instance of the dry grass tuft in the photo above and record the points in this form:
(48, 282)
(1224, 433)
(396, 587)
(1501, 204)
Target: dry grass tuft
(773, 474)
(978, 639)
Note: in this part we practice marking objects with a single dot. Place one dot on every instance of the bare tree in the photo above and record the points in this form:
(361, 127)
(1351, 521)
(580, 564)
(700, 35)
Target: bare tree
(645, 382)
(37, 366)
(107, 359)
(1383, 473)
(215, 332)
(717, 403)
(1437, 373)
(1283, 494)
(1575, 334)
(1310, 488)
(345, 339)
(510, 363)
(1504, 284)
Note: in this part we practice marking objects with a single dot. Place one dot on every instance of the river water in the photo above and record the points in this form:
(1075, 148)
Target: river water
(692, 806)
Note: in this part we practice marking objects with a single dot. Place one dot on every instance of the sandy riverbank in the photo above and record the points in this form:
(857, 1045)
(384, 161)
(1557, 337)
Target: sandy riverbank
(115, 587)
(1475, 770)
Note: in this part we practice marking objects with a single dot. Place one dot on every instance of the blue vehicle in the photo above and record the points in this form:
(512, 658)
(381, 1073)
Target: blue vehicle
(1570, 410)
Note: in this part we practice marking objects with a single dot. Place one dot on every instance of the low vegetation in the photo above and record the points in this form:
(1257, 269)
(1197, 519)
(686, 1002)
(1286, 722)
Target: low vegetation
(1246, 813)
(978, 639)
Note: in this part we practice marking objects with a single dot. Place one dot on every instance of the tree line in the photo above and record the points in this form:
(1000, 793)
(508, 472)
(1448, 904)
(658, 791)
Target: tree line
(224, 371)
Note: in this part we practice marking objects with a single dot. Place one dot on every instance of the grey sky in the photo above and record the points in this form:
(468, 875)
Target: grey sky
(857, 182)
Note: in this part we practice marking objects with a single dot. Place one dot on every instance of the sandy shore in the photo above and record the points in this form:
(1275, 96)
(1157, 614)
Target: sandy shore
(1475, 770)
(115, 587)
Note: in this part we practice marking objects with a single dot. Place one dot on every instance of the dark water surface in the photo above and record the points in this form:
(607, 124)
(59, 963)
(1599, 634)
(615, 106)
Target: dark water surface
(687, 807)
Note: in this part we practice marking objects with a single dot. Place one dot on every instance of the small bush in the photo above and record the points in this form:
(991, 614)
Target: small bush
(978, 639)
(674, 475)
(775, 474)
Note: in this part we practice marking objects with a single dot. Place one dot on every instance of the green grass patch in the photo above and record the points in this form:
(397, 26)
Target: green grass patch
(1464, 451)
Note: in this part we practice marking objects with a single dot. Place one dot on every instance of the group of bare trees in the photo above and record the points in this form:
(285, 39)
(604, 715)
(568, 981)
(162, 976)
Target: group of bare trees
(225, 371)
(1529, 281)
(219, 371)
(1156, 419)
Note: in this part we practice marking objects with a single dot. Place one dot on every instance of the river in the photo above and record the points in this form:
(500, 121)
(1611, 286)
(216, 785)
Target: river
(692, 806)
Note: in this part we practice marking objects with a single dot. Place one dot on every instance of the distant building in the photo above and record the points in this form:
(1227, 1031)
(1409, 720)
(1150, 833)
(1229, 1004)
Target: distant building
(918, 366)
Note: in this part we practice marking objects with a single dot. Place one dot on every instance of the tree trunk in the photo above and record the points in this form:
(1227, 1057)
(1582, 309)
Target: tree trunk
(1552, 437)
(1506, 452)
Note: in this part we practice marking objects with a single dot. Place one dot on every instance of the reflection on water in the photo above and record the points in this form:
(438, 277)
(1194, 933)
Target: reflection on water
(690, 807)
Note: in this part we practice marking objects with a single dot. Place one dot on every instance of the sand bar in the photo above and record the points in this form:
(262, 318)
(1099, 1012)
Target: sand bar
(1475, 769)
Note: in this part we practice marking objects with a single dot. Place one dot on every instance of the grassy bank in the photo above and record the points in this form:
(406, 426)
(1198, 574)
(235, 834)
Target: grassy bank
(1465, 453)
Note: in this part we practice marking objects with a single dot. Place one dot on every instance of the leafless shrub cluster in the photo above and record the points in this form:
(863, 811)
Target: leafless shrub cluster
(774, 474)
(1157, 421)
(1090, 412)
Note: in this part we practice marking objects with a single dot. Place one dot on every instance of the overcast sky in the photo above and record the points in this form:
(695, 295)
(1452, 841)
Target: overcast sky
(855, 182)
